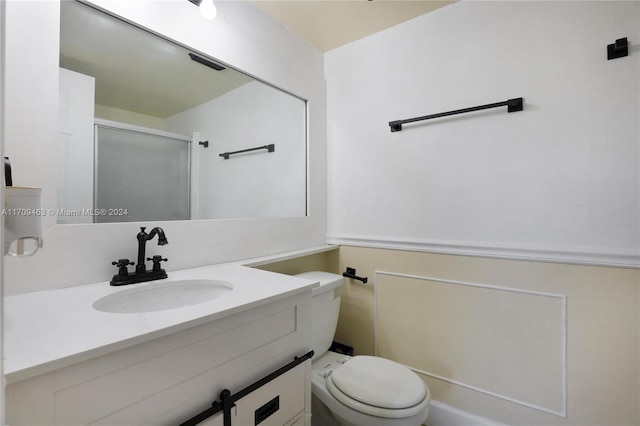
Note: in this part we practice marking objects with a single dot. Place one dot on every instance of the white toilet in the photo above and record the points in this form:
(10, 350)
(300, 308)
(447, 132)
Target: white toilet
(360, 390)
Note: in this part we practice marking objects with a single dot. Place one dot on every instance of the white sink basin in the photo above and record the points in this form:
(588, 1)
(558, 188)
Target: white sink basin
(163, 296)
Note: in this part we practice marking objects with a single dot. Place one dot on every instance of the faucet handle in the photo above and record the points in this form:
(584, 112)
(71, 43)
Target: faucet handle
(122, 266)
(156, 262)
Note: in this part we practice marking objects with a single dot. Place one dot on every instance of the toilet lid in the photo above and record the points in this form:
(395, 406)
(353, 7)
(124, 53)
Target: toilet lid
(378, 382)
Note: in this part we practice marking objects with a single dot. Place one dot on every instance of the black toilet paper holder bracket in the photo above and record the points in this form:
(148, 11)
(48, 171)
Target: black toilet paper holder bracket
(351, 273)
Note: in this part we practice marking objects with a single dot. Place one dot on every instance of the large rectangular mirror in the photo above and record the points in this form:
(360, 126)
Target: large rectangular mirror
(152, 130)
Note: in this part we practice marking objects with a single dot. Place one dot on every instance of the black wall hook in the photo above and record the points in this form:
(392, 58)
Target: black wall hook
(351, 273)
(619, 49)
(204, 144)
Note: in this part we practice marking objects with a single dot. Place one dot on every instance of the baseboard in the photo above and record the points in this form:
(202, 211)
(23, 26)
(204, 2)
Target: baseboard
(441, 414)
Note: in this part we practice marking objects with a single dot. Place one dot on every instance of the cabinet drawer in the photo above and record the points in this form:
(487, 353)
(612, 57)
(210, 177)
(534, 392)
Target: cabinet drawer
(275, 403)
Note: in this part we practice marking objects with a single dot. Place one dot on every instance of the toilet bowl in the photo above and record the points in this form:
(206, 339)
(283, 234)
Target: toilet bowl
(360, 390)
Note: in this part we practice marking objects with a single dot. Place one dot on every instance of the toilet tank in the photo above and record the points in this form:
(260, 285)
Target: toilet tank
(325, 303)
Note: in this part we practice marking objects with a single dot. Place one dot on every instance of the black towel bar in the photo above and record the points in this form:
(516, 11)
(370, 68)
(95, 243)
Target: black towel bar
(512, 105)
(270, 148)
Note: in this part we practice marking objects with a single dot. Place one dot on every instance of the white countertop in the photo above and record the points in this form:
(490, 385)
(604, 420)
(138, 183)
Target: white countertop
(47, 330)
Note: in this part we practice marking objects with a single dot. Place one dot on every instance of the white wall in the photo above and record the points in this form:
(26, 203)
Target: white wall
(557, 181)
(257, 184)
(241, 35)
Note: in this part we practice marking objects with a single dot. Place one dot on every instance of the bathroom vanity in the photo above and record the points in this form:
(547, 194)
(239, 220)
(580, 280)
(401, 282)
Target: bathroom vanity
(67, 362)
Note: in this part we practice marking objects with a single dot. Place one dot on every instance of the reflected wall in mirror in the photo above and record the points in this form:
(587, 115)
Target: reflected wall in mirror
(159, 100)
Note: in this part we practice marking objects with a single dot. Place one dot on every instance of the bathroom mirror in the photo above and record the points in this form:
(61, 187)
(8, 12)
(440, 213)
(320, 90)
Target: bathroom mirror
(151, 130)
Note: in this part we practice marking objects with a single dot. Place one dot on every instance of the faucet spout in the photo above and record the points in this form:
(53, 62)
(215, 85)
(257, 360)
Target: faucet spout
(162, 240)
(143, 237)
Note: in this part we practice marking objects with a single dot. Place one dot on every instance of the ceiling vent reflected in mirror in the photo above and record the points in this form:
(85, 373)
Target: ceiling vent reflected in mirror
(206, 62)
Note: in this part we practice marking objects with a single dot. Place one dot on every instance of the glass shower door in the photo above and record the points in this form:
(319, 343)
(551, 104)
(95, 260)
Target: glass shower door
(140, 175)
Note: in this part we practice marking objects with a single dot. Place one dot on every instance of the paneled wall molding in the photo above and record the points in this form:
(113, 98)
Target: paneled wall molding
(562, 412)
(502, 251)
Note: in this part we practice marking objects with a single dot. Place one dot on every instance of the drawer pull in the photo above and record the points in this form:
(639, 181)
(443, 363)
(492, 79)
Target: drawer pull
(267, 409)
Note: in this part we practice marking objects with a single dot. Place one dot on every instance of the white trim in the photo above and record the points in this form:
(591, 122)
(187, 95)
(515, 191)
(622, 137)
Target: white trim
(502, 251)
(441, 414)
(563, 299)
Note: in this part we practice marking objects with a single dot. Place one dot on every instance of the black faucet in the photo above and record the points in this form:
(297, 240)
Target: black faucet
(143, 237)
(141, 274)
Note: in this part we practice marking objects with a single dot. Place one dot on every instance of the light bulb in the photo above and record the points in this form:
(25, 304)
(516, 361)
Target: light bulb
(208, 9)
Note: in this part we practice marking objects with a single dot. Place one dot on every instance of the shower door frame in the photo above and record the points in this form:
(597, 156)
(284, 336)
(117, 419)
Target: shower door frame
(147, 131)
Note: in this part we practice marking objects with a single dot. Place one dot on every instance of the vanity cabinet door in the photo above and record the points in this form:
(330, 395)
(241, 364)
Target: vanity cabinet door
(215, 420)
(276, 403)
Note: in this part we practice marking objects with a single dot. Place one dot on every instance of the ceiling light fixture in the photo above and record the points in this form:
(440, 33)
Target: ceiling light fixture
(207, 8)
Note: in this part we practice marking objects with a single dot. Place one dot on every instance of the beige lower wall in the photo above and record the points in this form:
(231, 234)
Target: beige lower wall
(602, 331)
(324, 261)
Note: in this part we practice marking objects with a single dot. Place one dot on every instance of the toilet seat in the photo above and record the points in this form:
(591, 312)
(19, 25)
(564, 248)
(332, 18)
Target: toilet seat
(378, 387)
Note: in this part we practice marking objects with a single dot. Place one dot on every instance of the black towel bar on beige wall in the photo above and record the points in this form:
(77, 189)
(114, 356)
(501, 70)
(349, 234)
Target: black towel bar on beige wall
(269, 148)
(512, 105)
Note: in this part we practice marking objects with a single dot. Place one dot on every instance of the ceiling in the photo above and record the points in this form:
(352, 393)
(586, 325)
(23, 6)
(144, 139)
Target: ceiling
(328, 24)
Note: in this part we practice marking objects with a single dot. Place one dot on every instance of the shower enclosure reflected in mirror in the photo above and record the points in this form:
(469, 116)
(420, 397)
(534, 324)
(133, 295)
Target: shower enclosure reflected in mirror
(135, 112)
